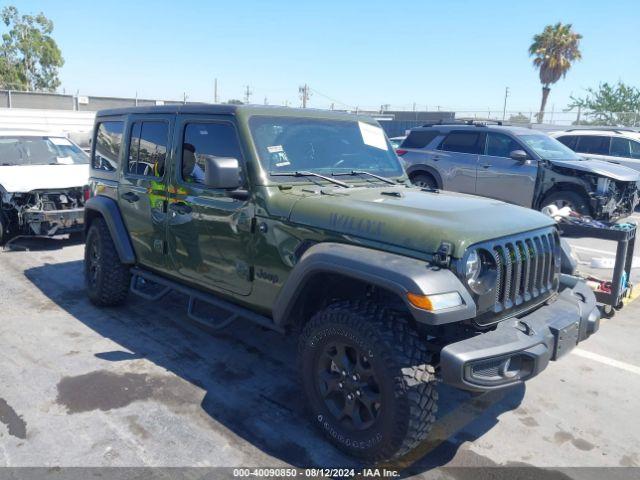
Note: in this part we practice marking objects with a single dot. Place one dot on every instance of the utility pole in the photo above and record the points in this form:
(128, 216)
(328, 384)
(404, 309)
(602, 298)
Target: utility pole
(247, 94)
(504, 109)
(304, 94)
(215, 90)
(184, 98)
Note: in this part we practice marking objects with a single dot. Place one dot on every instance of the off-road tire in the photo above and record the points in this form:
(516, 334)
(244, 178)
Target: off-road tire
(402, 367)
(109, 284)
(578, 202)
(424, 180)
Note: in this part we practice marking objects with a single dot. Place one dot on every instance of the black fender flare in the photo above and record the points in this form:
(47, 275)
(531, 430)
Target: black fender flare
(421, 167)
(107, 208)
(396, 273)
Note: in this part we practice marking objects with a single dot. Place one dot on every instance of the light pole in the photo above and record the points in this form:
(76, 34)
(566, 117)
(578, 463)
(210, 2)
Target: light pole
(504, 109)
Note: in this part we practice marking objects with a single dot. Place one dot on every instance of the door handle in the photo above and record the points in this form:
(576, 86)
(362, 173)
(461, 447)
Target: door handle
(487, 165)
(181, 208)
(131, 197)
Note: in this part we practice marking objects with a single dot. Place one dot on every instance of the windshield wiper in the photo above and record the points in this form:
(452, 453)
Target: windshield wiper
(309, 174)
(362, 172)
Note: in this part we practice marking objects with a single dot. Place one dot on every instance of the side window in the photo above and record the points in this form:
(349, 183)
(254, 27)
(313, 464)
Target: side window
(148, 148)
(500, 145)
(462, 142)
(419, 138)
(596, 144)
(108, 144)
(202, 140)
(635, 149)
(620, 147)
(568, 140)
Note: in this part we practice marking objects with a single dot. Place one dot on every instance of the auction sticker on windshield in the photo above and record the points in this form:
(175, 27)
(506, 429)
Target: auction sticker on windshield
(372, 136)
(60, 141)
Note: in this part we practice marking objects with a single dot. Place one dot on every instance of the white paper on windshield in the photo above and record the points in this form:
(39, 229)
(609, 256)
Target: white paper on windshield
(275, 149)
(60, 141)
(64, 160)
(372, 136)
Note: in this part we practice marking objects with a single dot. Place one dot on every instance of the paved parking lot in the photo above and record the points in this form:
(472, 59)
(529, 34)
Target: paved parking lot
(140, 386)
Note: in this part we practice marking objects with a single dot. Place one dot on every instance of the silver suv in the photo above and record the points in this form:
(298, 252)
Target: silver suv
(519, 166)
(616, 145)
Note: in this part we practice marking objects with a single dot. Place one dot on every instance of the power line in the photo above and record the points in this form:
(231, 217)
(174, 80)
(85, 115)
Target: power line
(332, 99)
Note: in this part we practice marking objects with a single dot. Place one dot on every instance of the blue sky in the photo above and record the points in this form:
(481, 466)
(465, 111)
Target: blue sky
(363, 53)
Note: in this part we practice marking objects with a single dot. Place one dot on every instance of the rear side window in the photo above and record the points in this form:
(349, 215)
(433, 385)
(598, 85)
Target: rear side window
(598, 145)
(500, 145)
(148, 148)
(568, 140)
(108, 146)
(202, 140)
(462, 142)
(419, 138)
(620, 147)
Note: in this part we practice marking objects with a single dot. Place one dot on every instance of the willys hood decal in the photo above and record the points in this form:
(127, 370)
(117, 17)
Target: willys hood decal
(25, 178)
(414, 219)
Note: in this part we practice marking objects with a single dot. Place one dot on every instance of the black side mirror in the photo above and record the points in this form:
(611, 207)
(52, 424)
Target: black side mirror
(519, 155)
(222, 172)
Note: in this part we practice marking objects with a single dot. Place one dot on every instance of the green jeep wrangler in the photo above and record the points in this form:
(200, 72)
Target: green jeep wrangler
(305, 222)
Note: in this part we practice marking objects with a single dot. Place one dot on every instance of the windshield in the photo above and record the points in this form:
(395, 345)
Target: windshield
(549, 148)
(40, 151)
(294, 144)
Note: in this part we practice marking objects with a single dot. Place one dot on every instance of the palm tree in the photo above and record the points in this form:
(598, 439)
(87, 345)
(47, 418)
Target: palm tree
(554, 50)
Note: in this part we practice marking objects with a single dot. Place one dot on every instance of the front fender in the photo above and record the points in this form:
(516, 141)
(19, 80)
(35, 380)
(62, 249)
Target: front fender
(396, 273)
(108, 209)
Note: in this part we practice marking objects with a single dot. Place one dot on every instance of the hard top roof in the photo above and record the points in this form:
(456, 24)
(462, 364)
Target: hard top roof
(224, 109)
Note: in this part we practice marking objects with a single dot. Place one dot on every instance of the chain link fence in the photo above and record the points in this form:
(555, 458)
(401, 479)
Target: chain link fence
(87, 103)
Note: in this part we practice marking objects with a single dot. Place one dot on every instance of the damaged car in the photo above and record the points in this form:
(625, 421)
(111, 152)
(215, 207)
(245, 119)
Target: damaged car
(519, 166)
(43, 185)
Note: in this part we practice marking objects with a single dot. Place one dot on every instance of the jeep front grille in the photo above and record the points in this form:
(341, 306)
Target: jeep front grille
(527, 271)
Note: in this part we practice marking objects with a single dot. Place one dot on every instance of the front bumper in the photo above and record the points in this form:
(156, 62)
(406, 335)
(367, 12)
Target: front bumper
(520, 348)
(54, 222)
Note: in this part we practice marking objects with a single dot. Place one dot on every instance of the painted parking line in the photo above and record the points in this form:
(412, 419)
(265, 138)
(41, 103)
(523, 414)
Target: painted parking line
(635, 293)
(606, 360)
(594, 250)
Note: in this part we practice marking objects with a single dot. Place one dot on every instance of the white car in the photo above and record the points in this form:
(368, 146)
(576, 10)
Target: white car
(615, 145)
(43, 184)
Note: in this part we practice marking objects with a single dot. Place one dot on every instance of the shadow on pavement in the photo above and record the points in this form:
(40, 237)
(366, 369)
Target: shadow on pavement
(41, 244)
(249, 376)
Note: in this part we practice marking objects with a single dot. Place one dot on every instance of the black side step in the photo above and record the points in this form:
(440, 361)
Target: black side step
(232, 310)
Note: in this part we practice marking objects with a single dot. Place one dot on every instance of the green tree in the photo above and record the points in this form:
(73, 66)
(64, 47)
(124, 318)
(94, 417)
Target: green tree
(608, 104)
(554, 51)
(29, 56)
(519, 118)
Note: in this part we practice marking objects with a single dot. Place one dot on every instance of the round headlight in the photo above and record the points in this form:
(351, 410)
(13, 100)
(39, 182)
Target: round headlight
(480, 271)
(472, 267)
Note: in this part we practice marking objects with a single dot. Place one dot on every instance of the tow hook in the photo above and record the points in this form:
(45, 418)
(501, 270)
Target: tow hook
(524, 328)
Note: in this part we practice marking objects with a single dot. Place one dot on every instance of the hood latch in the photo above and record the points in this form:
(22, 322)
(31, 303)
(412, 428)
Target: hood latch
(442, 257)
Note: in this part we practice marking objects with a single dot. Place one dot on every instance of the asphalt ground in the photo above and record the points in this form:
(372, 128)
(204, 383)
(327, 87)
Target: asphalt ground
(141, 386)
